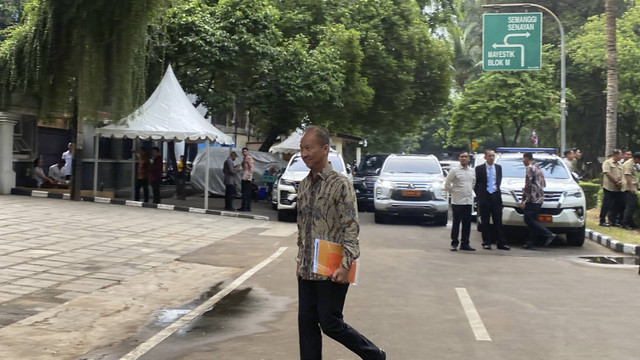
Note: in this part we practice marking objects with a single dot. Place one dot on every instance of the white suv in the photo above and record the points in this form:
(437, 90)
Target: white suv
(285, 193)
(564, 207)
(411, 185)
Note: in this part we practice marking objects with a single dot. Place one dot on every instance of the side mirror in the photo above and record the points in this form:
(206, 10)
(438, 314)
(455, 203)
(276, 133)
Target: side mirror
(575, 176)
(378, 171)
(445, 172)
(348, 169)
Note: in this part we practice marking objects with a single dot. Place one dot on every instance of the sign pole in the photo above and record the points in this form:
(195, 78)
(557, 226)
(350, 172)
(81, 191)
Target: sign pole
(563, 64)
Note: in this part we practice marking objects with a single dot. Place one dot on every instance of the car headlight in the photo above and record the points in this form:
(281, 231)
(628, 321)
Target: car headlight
(573, 193)
(438, 190)
(384, 184)
(287, 182)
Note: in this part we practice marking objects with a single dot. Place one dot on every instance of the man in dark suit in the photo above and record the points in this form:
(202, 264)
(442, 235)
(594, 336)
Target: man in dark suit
(487, 189)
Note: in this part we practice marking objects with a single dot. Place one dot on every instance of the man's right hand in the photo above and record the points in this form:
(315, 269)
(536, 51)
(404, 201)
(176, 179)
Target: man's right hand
(522, 205)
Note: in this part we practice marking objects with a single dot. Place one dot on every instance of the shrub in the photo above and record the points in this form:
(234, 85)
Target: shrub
(591, 193)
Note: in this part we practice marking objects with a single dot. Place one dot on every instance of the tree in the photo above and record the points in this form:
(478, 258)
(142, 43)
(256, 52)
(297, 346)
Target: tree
(78, 58)
(505, 103)
(612, 78)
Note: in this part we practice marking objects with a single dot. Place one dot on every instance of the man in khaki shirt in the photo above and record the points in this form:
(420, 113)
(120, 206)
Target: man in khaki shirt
(327, 210)
(611, 187)
(630, 188)
(460, 183)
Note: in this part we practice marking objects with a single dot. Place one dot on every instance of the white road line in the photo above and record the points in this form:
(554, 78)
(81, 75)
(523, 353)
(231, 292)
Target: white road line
(475, 321)
(184, 320)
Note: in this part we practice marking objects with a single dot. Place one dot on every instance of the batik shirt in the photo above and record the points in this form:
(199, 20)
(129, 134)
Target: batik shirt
(533, 191)
(327, 210)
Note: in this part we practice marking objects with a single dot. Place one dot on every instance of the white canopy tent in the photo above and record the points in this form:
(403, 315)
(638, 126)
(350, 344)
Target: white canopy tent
(167, 115)
(290, 145)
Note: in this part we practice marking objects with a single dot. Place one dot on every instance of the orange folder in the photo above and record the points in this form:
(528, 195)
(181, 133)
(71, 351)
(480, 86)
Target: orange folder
(327, 257)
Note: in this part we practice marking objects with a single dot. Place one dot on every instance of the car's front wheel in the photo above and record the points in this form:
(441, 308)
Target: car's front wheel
(441, 220)
(576, 238)
(378, 217)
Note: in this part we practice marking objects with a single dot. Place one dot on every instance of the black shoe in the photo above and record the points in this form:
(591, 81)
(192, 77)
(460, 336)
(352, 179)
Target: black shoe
(486, 247)
(240, 209)
(528, 246)
(616, 224)
(229, 209)
(549, 239)
(454, 248)
(602, 223)
(467, 248)
(504, 247)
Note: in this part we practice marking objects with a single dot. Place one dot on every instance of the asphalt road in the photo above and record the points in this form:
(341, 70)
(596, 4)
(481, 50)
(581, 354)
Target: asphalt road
(418, 300)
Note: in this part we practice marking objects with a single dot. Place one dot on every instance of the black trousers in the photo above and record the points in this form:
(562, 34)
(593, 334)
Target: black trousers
(612, 205)
(630, 203)
(461, 214)
(246, 195)
(229, 193)
(531, 211)
(155, 187)
(320, 305)
(144, 184)
(490, 206)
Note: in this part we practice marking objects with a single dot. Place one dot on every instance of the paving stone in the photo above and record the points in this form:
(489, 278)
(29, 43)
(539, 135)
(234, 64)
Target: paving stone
(86, 285)
(29, 267)
(39, 283)
(4, 297)
(17, 273)
(18, 289)
(69, 272)
(53, 277)
(49, 263)
(69, 295)
(35, 253)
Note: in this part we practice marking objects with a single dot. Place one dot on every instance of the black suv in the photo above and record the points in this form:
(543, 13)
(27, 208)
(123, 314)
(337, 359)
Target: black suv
(365, 177)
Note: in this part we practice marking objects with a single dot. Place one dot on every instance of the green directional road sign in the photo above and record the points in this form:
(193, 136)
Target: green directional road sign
(512, 41)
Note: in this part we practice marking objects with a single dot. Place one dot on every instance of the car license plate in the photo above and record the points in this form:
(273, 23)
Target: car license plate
(411, 193)
(544, 218)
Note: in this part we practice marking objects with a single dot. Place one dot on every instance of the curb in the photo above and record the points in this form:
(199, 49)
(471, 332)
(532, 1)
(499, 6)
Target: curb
(102, 200)
(612, 244)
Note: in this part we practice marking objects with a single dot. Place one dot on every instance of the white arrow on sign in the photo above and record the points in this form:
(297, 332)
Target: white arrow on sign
(495, 46)
(507, 45)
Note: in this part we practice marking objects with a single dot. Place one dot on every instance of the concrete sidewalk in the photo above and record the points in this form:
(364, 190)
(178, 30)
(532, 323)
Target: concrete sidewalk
(75, 271)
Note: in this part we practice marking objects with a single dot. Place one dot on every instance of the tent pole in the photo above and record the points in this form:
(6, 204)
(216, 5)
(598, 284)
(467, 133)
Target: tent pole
(206, 176)
(133, 170)
(96, 144)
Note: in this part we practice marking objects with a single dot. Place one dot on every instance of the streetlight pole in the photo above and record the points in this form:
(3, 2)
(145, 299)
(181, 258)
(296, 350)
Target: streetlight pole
(563, 65)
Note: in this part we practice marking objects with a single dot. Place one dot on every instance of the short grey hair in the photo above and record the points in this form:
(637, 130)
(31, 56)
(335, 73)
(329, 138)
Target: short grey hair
(322, 134)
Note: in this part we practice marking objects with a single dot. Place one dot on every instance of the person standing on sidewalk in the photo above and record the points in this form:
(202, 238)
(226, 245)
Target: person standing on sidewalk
(155, 173)
(229, 171)
(460, 183)
(142, 177)
(247, 180)
(487, 189)
(67, 156)
(611, 188)
(532, 199)
(327, 210)
(630, 188)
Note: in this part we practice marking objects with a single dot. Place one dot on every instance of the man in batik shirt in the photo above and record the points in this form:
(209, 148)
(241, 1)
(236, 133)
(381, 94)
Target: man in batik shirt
(532, 199)
(327, 210)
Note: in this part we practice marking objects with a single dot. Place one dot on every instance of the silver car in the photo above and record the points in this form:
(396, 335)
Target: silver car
(411, 185)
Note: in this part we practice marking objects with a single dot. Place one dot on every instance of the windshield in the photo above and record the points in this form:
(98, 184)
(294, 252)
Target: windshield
(412, 165)
(298, 165)
(371, 163)
(551, 168)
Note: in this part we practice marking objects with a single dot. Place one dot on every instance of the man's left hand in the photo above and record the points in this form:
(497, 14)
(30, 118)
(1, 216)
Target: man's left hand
(340, 276)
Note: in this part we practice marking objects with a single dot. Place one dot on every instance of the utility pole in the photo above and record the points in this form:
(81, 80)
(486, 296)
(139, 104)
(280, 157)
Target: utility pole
(563, 65)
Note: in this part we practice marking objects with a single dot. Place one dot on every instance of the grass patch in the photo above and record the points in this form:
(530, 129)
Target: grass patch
(625, 236)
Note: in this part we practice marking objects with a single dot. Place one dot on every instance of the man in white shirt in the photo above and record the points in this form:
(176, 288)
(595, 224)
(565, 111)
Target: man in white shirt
(569, 155)
(56, 171)
(459, 183)
(67, 156)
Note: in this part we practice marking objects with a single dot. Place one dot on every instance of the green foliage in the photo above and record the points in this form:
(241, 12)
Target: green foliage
(588, 50)
(91, 53)
(362, 67)
(591, 193)
(506, 103)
